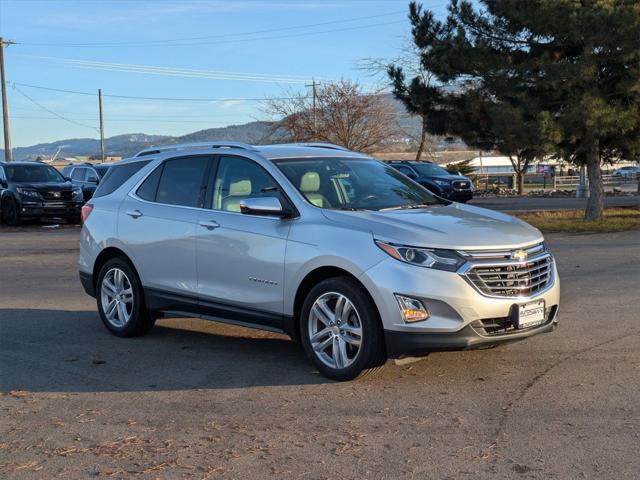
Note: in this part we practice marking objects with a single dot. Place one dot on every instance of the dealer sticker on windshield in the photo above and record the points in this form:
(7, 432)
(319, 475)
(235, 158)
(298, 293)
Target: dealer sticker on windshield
(531, 314)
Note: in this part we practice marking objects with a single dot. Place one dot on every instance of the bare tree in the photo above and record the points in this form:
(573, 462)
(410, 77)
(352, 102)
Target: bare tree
(341, 114)
(409, 61)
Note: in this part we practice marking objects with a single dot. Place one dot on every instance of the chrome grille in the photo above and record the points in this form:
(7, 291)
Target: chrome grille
(461, 185)
(510, 278)
(56, 196)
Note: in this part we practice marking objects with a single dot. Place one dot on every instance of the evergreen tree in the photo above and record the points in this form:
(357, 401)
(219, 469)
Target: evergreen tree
(561, 76)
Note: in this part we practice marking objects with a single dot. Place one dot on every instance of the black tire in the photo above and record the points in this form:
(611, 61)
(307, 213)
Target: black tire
(372, 353)
(10, 214)
(141, 320)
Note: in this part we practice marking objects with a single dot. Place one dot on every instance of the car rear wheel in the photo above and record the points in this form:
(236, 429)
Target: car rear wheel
(341, 330)
(121, 300)
(10, 214)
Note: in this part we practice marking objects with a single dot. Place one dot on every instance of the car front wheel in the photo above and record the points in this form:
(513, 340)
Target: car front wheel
(9, 212)
(121, 300)
(341, 330)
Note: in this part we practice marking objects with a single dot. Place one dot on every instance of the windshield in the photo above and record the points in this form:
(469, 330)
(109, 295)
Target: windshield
(429, 169)
(33, 174)
(354, 184)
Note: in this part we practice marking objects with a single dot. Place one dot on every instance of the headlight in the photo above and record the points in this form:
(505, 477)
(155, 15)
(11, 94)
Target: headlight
(423, 257)
(76, 192)
(27, 193)
(443, 183)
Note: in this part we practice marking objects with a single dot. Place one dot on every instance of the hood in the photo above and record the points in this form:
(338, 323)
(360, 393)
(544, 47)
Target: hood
(454, 226)
(46, 186)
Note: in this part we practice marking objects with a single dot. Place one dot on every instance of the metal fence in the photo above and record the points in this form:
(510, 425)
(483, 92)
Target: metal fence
(547, 181)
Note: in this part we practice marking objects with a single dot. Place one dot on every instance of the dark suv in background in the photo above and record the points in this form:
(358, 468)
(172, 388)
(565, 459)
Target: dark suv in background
(35, 190)
(86, 176)
(436, 179)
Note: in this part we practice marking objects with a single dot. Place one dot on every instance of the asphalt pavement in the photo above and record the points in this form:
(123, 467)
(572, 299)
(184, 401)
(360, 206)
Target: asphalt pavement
(197, 399)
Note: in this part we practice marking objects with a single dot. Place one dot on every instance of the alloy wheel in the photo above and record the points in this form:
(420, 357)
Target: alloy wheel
(116, 296)
(335, 330)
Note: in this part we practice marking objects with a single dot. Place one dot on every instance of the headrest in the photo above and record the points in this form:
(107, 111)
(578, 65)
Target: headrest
(241, 187)
(310, 182)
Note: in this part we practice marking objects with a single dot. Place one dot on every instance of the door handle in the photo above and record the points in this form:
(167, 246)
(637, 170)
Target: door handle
(134, 213)
(209, 225)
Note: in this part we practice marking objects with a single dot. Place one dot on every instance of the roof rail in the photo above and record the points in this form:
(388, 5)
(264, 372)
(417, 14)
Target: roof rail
(330, 146)
(185, 146)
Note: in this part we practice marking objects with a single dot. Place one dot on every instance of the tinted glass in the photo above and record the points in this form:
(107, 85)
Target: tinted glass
(354, 184)
(237, 179)
(101, 169)
(92, 176)
(429, 169)
(149, 188)
(116, 176)
(78, 174)
(33, 173)
(182, 181)
(405, 170)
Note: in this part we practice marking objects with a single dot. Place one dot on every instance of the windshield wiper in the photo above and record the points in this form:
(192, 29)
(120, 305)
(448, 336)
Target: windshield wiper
(403, 207)
(352, 209)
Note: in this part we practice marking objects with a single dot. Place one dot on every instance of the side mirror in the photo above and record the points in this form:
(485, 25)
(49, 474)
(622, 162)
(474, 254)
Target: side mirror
(412, 175)
(268, 206)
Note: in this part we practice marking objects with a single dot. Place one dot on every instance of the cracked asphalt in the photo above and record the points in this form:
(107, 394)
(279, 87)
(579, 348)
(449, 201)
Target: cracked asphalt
(196, 399)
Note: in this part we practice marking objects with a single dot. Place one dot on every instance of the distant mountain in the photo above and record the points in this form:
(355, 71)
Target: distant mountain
(252, 132)
(129, 144)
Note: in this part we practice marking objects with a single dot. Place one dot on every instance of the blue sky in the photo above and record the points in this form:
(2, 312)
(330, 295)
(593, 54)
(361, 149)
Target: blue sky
(181, 49)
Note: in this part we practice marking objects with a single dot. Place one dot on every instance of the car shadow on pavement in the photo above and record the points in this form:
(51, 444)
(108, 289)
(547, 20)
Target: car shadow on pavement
(71, 351)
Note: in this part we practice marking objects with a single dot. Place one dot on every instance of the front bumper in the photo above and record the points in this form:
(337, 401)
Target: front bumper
(50, 209)
(402, 344)
(457, 310)
(458, 195)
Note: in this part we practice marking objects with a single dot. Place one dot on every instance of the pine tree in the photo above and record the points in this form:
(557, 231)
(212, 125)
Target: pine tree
(542, 76)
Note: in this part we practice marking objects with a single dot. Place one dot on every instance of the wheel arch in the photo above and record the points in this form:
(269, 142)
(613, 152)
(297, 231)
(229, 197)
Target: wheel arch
(104, 256)
(310, 280)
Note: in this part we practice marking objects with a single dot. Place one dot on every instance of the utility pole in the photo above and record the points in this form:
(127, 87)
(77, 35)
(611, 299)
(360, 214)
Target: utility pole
(101, 124)
(314, 109)
(315, 115)
(5, 107)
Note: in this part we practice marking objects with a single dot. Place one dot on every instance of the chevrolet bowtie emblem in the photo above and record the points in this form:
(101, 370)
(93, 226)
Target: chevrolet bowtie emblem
(519, 255)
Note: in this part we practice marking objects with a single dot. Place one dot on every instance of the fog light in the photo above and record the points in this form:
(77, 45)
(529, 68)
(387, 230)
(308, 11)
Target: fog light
(413, 310)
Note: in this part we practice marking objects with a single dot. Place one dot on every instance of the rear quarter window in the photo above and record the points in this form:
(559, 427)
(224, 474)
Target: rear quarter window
(116, 176)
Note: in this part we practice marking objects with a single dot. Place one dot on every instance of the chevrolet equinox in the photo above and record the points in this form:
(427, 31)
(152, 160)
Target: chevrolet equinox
(343, 253)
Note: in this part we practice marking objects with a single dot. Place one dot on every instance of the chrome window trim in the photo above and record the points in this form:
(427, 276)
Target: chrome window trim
(132, 194)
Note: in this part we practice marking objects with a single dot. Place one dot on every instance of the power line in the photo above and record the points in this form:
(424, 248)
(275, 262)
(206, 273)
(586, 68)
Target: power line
(132, 97)
(132, 120)
(51, 111)
(218, 42)
(179, 41)
(178, 72)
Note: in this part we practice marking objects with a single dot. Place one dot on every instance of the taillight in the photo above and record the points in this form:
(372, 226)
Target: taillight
(86, 211)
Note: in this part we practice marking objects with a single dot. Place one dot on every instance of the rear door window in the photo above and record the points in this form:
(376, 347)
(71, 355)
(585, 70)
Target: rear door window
(183, 181)
(149, 188)
(78, 174)
(116, 176)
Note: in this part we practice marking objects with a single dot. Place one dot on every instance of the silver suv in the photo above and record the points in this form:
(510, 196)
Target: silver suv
(341, 252)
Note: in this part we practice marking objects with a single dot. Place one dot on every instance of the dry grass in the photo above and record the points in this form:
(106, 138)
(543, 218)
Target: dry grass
(572, 221)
